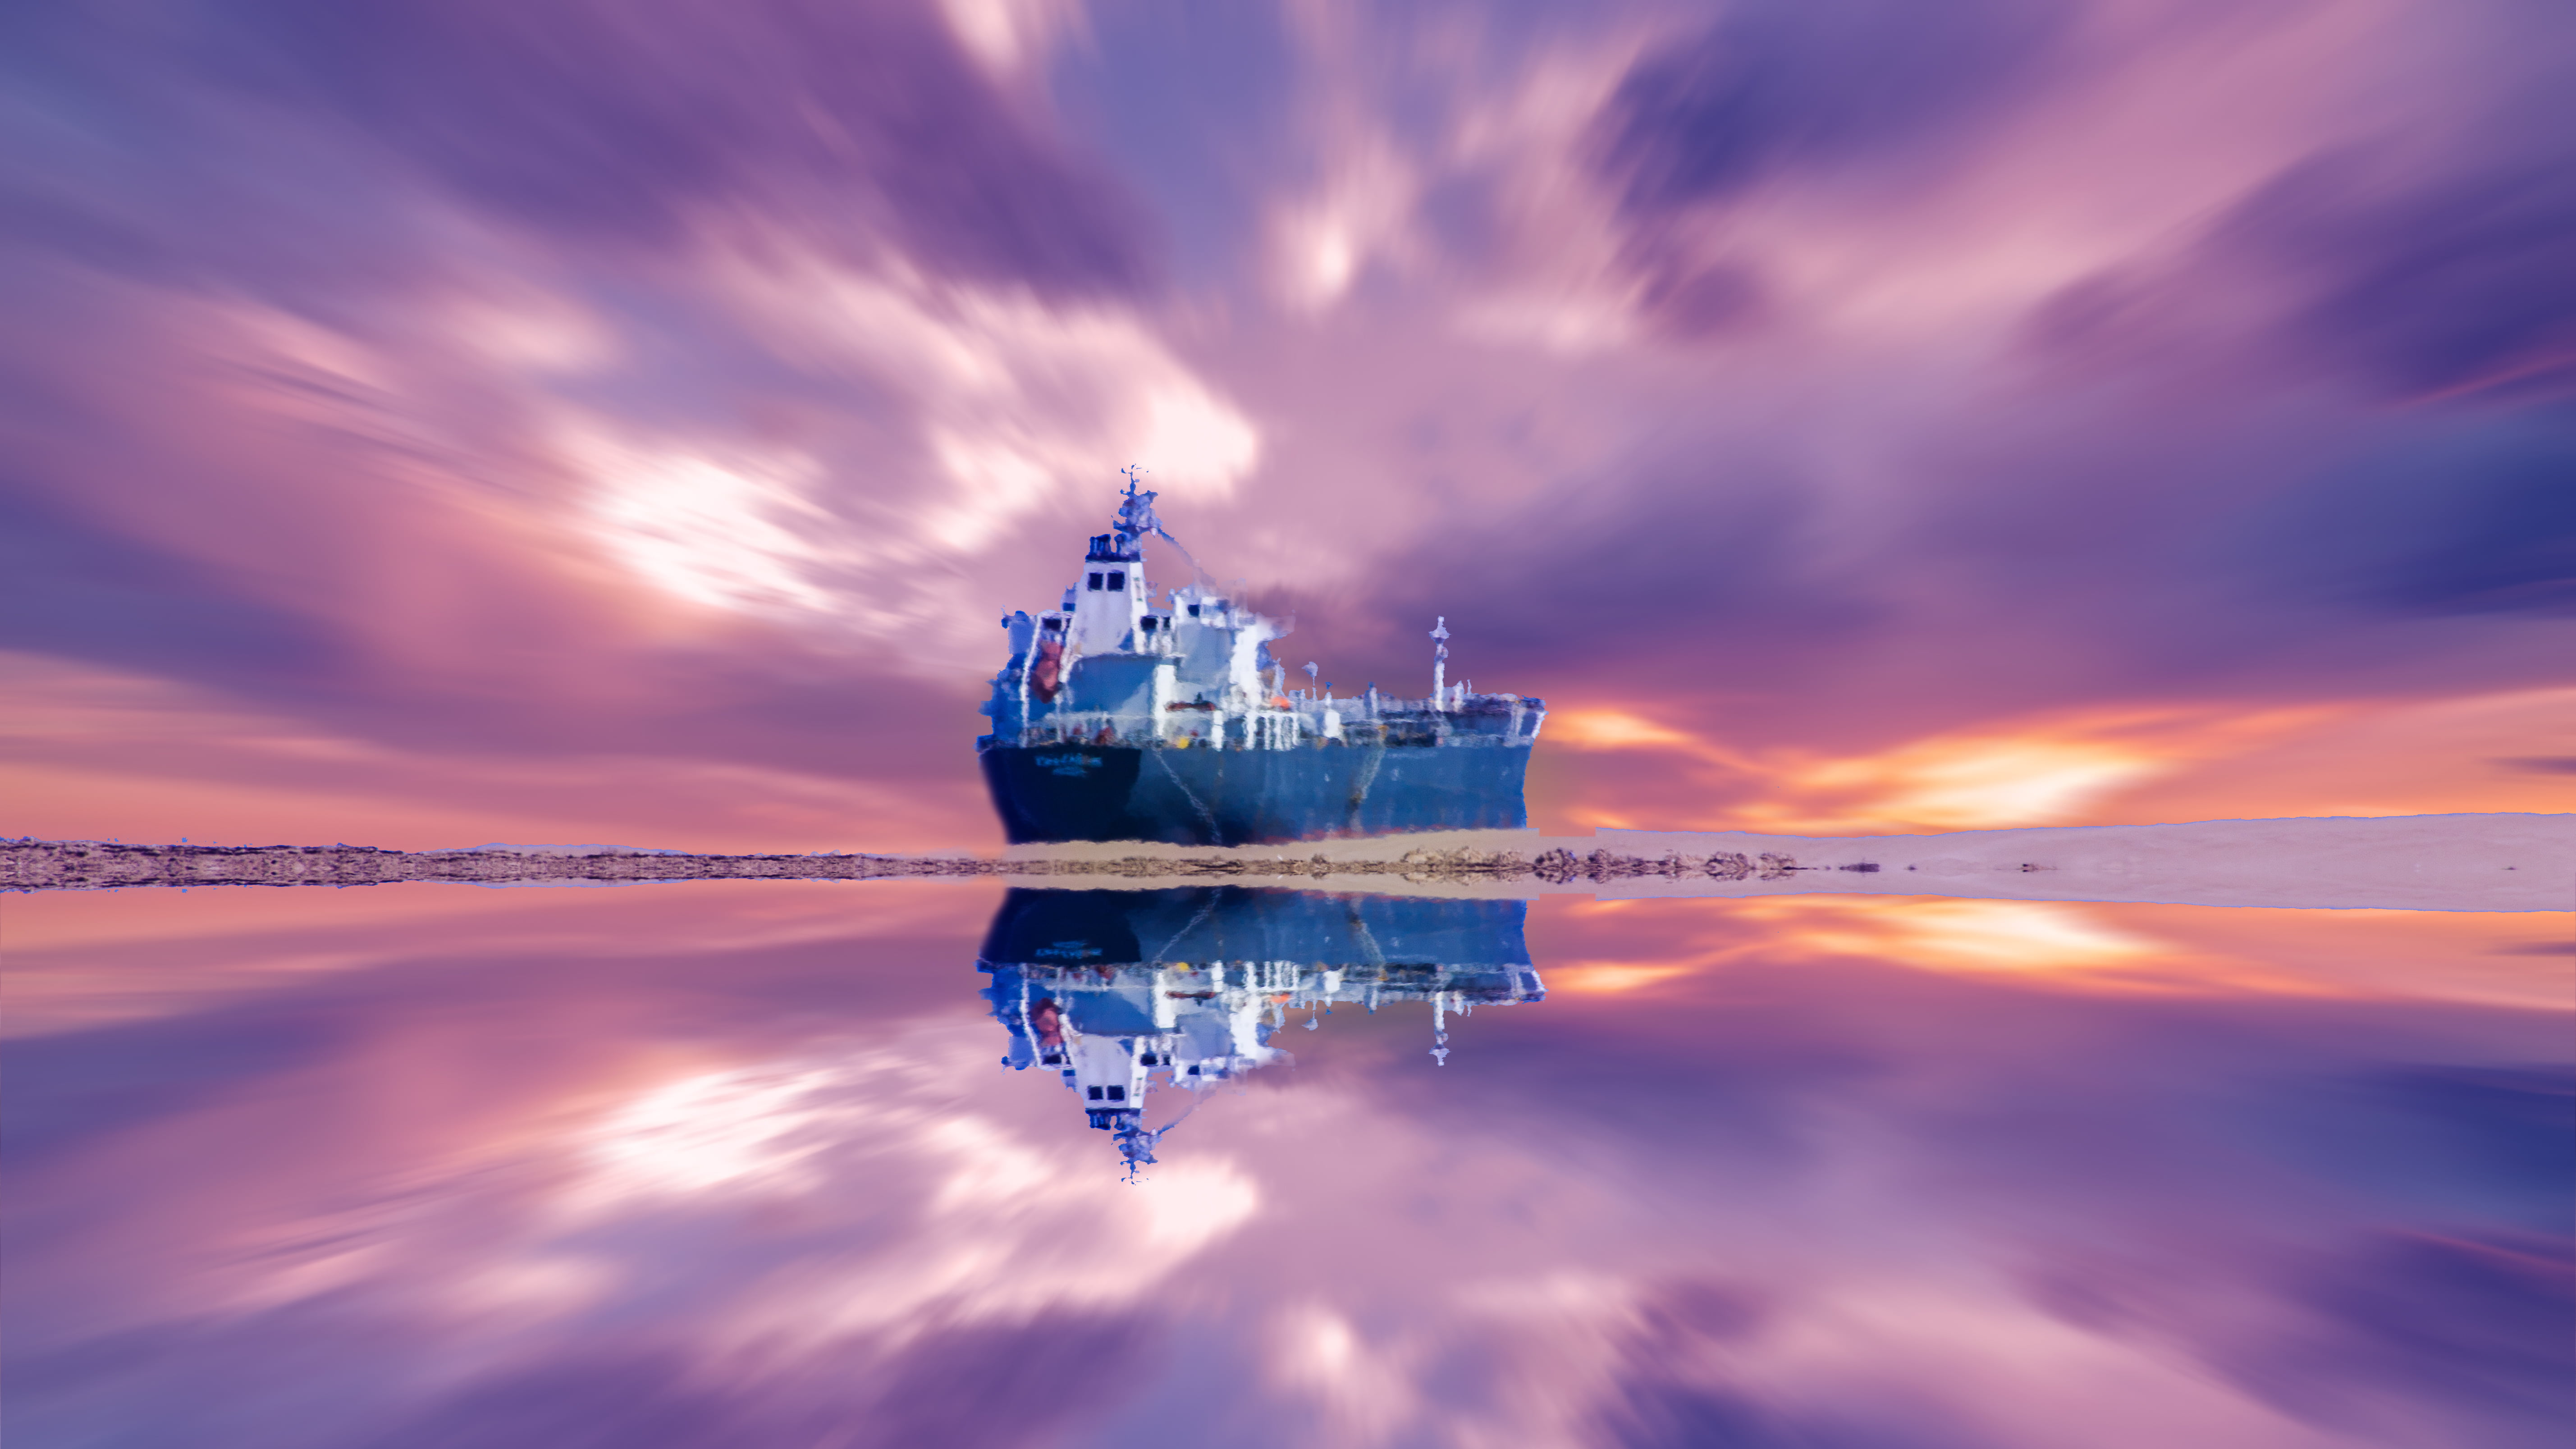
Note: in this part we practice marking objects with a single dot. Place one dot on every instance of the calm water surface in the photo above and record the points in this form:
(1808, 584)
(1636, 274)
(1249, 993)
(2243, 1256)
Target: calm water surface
(749, 1164)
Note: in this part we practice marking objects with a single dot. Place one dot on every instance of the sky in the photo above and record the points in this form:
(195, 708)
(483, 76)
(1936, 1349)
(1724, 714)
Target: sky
(439, 423)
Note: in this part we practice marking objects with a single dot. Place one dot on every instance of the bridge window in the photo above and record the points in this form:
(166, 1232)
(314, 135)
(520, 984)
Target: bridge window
(1118, 1094)
(1149, 623)
(1194, 611)
(1095, 583)
(1117, 581)
(1095, 1094)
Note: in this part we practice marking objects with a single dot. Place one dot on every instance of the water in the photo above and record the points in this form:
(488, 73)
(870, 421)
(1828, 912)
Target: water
(748, 1164)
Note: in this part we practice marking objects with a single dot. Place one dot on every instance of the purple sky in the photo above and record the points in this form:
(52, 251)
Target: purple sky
(439, 422)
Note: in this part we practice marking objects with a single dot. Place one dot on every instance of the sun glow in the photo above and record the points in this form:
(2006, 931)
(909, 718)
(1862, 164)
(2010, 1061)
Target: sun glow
(2047, 771)
(1974, 783)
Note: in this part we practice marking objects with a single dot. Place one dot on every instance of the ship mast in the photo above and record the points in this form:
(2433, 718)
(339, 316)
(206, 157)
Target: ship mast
(1440, 663)
(1136, 519)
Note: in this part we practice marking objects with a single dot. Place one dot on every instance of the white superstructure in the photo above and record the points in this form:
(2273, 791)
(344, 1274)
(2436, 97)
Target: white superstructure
(1113, 664)
(1111, 1033)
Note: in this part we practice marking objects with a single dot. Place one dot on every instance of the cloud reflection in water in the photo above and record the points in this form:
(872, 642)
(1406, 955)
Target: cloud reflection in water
(735, 1164)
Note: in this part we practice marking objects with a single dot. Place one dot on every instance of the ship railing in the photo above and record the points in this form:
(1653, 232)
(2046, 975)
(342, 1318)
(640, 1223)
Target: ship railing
(1269, 729)
(1411, 722)
(1459, 705)
(1307, 722)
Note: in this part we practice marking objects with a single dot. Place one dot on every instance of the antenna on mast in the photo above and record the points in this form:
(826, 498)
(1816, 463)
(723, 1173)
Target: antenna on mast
(1439, 661)
(1136, 518)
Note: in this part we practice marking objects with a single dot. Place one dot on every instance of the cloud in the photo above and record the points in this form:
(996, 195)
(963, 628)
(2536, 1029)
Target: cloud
(604, 123)
(701, 381)
(1018, 401)
(2447, 284)
(1010, 36)
(997, 408)
(1776, 87)
(412, 378)
(718, 535)
(2474, 516)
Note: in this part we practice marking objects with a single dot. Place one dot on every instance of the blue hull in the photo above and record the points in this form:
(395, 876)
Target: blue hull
(1057, 793)
(1108, 929)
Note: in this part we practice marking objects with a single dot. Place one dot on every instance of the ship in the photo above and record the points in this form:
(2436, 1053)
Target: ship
(1118, 991)
(1121, 716)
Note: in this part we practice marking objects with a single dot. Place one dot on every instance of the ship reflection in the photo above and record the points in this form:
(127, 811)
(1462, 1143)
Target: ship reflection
(1118, 991)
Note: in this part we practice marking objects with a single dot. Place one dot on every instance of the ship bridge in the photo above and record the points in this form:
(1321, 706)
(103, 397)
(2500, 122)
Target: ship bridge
(1113, 664)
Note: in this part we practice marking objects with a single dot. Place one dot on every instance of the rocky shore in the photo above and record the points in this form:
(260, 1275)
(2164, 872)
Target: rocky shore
(29, 865)
(2482, 862)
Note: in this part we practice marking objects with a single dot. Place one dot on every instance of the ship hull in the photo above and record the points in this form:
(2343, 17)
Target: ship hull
(1104, 930)
(1057, 793)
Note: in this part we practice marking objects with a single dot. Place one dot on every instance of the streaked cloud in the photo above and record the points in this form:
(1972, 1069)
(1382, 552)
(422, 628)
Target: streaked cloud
(2014, 419)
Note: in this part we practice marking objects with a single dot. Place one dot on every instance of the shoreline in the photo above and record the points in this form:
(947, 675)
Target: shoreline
(2467, 862)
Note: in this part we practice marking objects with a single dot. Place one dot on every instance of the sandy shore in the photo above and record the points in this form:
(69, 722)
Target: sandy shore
(2407, 862)
(2467, 862)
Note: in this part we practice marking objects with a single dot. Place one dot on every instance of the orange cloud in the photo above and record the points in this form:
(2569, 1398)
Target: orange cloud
(2048, 771)
(2131, 764)
(2044, 772)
